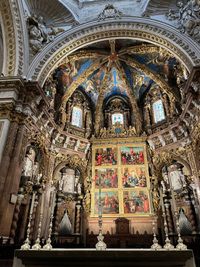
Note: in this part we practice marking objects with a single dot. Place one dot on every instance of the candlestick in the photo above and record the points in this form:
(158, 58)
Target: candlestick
(26, 245)
(155, 245)
(168, 245)
(100, 244)
(48, 245)
(180, 245)
(37, 245)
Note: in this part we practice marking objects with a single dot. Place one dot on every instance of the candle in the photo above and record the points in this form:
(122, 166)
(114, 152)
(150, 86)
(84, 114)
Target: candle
(42, 204)
(100, 205)
(32, 203)
(173, 198)
(161, 200)
(53, 202)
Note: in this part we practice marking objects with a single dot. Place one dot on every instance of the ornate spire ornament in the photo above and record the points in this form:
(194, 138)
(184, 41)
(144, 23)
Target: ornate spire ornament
(180, 245)
(37, 245)
(167, 245)
(26, 245)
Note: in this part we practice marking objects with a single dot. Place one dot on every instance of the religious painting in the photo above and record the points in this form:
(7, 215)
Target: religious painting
(134, 176)
(105, 156)
(77, 119)
(132, 155)
(158, 111)
(136, 201)
(107, 178)
(117, 118)
(109, 203)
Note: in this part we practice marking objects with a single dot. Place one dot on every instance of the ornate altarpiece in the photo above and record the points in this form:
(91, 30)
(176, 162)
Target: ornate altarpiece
(120, 165)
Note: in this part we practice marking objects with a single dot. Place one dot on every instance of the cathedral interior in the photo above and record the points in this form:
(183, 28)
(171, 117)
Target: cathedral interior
(99, 128)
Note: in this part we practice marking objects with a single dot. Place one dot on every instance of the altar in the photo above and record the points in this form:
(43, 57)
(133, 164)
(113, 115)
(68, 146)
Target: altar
(108, 258)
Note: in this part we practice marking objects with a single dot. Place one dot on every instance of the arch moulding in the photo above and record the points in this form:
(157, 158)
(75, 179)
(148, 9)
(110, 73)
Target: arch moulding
(143, 29)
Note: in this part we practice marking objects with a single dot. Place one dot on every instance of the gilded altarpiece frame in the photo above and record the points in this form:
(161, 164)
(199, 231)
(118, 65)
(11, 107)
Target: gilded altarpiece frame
(121, 167)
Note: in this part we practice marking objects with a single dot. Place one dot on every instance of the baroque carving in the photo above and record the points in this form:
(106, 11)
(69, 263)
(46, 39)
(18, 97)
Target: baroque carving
(117, 131)
(39, 33)
(188, 18)
(110, 12)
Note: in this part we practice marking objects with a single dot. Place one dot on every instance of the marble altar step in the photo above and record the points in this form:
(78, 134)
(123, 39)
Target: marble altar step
(108, 258)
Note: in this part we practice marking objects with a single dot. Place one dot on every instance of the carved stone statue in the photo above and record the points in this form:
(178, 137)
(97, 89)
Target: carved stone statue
(188, 18)
(39, 33)
(36, 39)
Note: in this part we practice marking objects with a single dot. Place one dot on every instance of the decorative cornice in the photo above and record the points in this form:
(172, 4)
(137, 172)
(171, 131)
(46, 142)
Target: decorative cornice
(161, 34)
(9, 38)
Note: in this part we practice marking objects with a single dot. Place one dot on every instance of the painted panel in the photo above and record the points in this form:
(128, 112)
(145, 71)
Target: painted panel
(134, 176)
(136, 201)
(105, 156)
(109, 202)
(107, 178)
(132, 155)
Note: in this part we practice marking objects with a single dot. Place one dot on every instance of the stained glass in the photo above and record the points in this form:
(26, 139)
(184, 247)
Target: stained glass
(158, 111)
(77, 117)
(117, 118)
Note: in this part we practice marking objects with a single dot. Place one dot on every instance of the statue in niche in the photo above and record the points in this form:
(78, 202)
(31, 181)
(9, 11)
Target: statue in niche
(35, 39)
(28, 168)
(177, 178)
(79, 190)
(155, 199)
(188, 18)
(87, 200)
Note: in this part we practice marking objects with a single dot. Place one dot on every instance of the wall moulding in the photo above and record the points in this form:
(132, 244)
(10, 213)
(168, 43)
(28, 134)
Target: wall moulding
(14, 35)
(181, 46)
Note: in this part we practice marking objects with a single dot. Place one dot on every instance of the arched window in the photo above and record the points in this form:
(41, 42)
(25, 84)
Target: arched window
(117, 118)
(77, 117)
(158, 111)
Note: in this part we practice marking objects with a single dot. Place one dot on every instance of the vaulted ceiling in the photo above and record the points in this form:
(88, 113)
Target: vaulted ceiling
(115, 67)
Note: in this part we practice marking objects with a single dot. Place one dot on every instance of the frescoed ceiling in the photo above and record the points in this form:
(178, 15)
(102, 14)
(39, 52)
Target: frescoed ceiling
(109, 67)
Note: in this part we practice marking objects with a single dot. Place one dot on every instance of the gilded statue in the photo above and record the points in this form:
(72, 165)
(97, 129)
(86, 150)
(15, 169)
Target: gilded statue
(155, 199)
